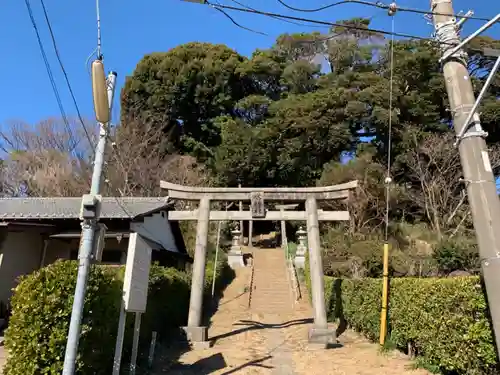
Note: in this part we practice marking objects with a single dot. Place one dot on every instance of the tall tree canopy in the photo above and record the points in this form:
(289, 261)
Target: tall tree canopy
(182, 91)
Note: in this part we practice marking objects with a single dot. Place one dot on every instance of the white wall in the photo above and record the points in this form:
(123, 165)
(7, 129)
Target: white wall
(21, 253)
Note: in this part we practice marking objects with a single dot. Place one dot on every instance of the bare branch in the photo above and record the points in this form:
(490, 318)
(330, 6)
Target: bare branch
(137, 163)
(45, 159)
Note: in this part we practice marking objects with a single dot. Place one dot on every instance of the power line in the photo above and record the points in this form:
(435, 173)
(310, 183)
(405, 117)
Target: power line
(378, 4)
(318, 22)
(432, 13)
(389, 135)
(321, 39)
(313, 10)
(236, 23)
(65, 74)
(50, 74)
(279, 19)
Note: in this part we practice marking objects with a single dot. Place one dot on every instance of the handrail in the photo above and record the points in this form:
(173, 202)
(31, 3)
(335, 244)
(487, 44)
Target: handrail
(294, 280)
(284, 248)
(291, 275)
(250, 293)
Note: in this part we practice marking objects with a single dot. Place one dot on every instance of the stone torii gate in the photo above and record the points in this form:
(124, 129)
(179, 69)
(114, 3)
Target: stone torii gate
(198, 334)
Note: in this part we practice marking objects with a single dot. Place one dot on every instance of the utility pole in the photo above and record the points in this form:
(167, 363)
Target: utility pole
(477, 171)
(103, 90)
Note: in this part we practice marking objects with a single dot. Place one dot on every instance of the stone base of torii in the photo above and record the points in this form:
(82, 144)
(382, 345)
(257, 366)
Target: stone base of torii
(197, 334)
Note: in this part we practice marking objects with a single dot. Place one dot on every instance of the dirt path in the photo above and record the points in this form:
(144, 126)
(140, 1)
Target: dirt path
(249, 342)
(3, 358)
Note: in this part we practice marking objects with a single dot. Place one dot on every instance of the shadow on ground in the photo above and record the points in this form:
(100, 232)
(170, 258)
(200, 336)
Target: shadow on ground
(250, 325)
(214, 363)
(168, 351)
(167, 358)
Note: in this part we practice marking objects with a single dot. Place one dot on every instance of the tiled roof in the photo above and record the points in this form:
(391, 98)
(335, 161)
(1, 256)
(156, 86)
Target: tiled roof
(69, 208)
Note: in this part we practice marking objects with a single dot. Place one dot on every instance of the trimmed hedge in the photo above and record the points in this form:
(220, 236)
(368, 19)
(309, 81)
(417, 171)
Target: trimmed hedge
(444, 320)
(41, 311)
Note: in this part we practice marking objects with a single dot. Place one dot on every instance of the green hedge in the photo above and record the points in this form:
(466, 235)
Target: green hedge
(445, 320)
(41, 310)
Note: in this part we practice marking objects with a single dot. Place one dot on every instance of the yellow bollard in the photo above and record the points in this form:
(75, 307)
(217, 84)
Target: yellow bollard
(385, 296)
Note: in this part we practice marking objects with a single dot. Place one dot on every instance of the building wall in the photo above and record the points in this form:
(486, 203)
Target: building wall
(20, 254)
(58, 249)
(115, 252)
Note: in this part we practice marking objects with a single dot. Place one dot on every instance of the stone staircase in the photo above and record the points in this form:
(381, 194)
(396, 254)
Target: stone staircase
(271, 289)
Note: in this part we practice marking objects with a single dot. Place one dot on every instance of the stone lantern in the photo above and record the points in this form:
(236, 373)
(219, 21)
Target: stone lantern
(235, 256)
(300, 255)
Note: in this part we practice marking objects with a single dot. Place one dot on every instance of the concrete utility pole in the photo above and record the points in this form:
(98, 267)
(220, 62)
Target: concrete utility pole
(103, 98)
(477, 171)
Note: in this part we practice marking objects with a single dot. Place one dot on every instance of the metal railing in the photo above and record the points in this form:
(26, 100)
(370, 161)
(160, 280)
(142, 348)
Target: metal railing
(292, 274)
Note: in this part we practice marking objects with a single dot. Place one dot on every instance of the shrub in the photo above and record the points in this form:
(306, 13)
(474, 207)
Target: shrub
(223, 277)
(451, 255)
(41, 310)
(445, 321)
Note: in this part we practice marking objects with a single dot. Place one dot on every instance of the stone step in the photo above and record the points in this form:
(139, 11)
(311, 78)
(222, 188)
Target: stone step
(271, 288)
(268, 290)
(271, 300)
(266, 303)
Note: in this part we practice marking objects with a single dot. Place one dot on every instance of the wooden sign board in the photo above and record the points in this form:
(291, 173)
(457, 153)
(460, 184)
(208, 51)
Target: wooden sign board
(257, 205)
(136, 281)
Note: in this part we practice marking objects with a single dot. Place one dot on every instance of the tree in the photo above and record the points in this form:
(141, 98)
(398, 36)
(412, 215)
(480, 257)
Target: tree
(290, 146)
(137, 164)
(300, 46)
(50, 158)
(180, 92)
(352, 49)
(367, 203)
(480, 66)
(437, 191)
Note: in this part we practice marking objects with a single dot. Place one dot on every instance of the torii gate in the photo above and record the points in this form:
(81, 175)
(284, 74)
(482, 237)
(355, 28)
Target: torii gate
(319, 333)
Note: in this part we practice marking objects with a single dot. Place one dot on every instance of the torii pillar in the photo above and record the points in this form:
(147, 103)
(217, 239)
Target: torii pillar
(319, 333)
(196, 333)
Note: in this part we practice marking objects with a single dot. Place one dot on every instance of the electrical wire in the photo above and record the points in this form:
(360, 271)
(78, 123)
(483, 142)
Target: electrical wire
(278, 18)
(324, 23)
(389, 134)
(98, 13)
(56, 50)
(50, 75)
(216, 7)
(381, 5)
(431, 13)
(322, 39)
(313, 10)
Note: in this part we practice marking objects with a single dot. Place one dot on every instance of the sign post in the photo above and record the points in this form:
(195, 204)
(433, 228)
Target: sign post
(135, 294)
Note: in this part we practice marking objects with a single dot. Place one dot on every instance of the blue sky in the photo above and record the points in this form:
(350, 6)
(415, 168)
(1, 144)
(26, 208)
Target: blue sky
(132, 29)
